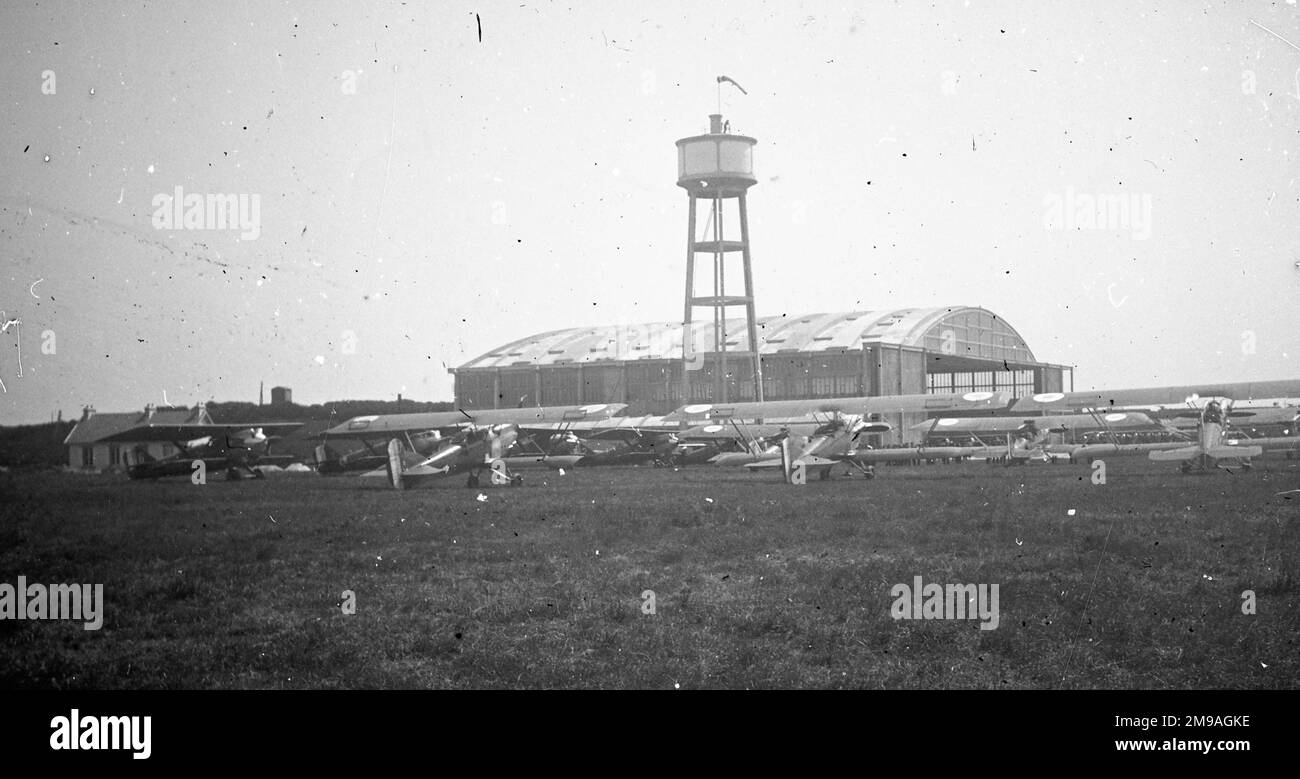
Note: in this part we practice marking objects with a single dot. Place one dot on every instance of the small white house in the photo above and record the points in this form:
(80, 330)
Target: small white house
(86, 452)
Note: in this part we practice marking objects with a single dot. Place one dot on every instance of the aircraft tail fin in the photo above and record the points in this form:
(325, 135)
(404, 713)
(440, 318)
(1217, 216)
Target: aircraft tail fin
(787, 461)
(324, 454)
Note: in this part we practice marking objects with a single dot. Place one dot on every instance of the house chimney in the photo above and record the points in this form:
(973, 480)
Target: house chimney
(87, 412)
(148, 410)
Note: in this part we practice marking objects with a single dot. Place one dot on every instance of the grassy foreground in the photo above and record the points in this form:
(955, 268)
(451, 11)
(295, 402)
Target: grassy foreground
(756, 583)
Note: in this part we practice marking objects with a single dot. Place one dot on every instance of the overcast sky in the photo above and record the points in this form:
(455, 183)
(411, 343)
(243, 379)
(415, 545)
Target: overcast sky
(424, 195)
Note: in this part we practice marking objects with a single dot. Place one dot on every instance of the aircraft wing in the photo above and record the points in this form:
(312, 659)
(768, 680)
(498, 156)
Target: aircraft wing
(1181, 449)
(718, 431)
(1271, 444)
(1100, 451)
(1185, 453)
(391, 425)
(1227, 452)
(173, 433)
(923, 453)
(607, 427)
(1123, 421)
(810, 462)
(782, 410)
(553, 461)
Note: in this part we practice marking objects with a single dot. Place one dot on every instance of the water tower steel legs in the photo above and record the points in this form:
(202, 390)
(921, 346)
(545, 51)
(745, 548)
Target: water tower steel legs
(751, 319)
(719, 301)
(719, 311)
(688, 345)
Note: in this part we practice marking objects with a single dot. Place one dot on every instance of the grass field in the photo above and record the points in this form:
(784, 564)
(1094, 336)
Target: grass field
(756, 583)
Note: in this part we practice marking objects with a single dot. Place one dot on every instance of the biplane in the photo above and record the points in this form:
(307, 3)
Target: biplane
(423, 446)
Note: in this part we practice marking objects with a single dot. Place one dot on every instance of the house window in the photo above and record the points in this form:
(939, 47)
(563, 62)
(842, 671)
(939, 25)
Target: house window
(114, 455)
(87, 457)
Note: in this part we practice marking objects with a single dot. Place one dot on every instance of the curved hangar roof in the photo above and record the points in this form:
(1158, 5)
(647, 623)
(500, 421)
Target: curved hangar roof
(975, 332)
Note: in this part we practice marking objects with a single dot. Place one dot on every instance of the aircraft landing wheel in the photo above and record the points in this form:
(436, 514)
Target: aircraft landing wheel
(1246, 465)
(233, 474)
(516, 480)
(1185, 468)
(258, 474)
(472, 481)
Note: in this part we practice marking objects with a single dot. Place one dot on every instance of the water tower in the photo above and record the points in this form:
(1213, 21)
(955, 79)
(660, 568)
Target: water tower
(718, 168)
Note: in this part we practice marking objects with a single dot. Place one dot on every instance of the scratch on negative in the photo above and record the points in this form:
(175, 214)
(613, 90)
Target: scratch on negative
(16, 323)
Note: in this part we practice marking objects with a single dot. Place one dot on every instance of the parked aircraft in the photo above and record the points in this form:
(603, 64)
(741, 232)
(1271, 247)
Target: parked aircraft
(236, 449)
(626, 447)
(833, 443)
(613, 441)
(755, 434)
(1210, 447)
(1209, 443)
(443, 443)
(1032, 437)
(783, 411)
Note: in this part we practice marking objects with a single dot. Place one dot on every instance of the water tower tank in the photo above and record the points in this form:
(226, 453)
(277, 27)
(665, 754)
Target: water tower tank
(716, 165)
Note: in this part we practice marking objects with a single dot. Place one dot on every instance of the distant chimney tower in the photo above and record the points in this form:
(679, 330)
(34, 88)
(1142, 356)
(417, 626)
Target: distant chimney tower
(261, 385)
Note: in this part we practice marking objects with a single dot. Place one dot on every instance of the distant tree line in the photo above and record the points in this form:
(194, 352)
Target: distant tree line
(238, 412)
(25, 446)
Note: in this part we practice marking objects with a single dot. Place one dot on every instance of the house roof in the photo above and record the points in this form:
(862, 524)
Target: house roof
(99, 426)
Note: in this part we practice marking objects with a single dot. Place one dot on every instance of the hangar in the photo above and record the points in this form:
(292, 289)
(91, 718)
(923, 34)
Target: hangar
(847, 354)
